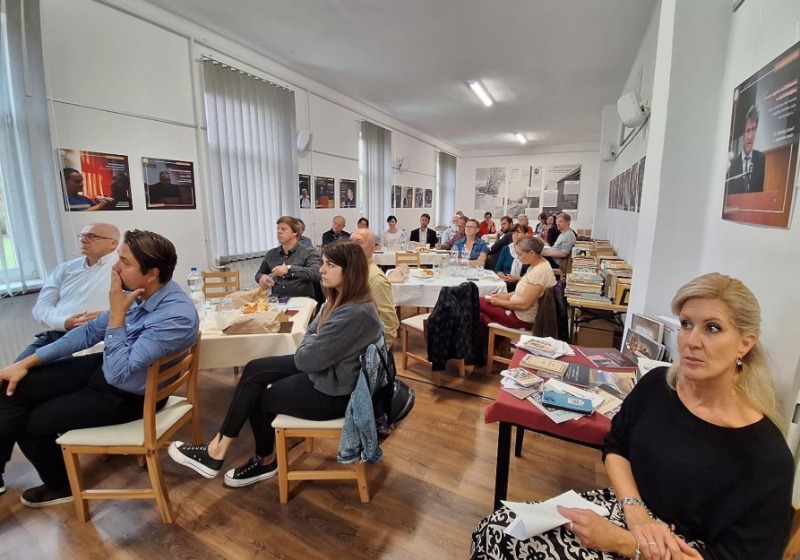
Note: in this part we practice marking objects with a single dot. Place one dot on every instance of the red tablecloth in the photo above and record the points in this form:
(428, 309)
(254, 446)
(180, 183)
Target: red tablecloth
(589, 430)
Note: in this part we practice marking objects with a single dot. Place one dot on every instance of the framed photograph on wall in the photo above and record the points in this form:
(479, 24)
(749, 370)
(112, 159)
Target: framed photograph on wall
(168, 184)
(347, 193)
(305, 190)
(324, 192)
(94, 181)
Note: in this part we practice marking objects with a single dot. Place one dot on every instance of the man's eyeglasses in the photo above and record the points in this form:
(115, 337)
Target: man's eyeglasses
(91, 237)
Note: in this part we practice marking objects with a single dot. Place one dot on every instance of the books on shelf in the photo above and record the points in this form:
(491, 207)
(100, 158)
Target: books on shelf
(607, 358)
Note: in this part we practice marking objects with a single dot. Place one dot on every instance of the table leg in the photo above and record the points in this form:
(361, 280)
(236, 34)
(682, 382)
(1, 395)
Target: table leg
(572, 324)
(501, 470)
(518, 442)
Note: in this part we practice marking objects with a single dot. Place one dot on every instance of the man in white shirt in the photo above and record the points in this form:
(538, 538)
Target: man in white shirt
(423, 234)
(448, 234)
(77, 291)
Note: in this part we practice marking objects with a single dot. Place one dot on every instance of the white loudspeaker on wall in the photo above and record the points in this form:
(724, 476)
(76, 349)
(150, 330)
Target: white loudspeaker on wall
(303, 140)
(632, 112)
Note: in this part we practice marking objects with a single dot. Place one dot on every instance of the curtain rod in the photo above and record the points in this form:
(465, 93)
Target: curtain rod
(207, 58)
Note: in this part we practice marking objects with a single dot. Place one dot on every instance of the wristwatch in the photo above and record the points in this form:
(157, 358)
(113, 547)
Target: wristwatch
(289, 269)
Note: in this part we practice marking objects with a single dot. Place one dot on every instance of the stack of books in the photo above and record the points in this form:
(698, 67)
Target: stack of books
(603, 247)
(585, 285)
(544, 367)
(586, 265)
(548, 347)
(520, 382)
(582, 249)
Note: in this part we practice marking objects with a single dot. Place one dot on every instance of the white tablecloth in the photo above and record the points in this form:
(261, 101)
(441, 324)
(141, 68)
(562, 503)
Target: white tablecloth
(218, 350)
(386, 258)
(424, 293)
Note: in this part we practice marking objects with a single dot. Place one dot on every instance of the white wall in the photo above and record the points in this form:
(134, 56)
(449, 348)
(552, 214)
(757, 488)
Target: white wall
(124, 78)
(589, 161)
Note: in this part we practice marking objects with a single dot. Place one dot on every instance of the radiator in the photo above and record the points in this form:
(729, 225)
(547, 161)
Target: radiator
(247, 271)
(17, 326)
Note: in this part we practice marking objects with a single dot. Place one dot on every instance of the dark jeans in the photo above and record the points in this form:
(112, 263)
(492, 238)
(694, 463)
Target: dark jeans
(272, 386)
(53, 399)
(42, 339)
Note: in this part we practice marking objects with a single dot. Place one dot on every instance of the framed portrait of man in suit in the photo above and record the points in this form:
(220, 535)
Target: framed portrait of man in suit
(762, 147)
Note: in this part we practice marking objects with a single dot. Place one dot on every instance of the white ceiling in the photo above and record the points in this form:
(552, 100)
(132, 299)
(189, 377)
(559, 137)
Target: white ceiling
(550, 65)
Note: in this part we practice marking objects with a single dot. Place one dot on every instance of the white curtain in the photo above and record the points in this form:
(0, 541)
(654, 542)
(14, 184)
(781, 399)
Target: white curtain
(30, 200)
(376, 170)
(252, 159)
(446, 185)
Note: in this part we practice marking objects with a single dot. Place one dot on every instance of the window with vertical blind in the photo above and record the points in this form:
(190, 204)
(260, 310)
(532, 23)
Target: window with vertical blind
(252, 160)
(446, 186)
(375, 169)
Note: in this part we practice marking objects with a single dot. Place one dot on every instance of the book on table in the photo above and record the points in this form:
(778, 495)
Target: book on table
(567, 402)
(522, 377)
(607, 358)
(546, 366)
(637, 345)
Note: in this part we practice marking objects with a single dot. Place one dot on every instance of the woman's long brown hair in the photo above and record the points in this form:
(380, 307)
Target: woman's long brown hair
(355, 276)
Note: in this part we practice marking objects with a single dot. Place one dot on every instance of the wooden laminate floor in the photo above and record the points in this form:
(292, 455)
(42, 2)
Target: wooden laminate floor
(432, 487)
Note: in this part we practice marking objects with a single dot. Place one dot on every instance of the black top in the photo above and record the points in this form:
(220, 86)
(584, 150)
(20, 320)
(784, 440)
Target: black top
(728, 487)
(330, 237)
(430, 236)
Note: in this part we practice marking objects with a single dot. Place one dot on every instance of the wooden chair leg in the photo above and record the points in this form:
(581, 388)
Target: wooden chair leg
(404, 342)
(76, 483)
(140, 461)
(236, 370)
(160, 489)
(461, 369)
(361, 478)
(490, 352)
(309, 445)
(197, 428)
(283, 465)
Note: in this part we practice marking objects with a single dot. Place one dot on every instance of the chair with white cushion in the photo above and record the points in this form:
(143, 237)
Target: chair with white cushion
(140, 437)
(291, 427)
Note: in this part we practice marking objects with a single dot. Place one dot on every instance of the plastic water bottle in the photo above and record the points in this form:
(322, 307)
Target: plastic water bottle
(195, 281)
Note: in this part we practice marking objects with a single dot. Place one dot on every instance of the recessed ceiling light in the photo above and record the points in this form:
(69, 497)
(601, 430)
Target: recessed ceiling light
(520, 138)
(481, 92)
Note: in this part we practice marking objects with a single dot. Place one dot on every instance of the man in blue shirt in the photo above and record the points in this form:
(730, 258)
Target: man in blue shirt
(51, 392)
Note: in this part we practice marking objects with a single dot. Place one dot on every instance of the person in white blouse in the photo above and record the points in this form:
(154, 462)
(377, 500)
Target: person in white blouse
(393, 235)
(77, 290)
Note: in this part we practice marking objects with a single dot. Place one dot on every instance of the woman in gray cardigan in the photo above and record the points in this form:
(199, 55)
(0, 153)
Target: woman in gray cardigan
(315, 383)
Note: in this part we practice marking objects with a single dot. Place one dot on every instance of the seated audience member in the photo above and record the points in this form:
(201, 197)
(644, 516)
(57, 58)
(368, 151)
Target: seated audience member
(562, 248)
(393, 235)
(487, 225)
(51, 392)
(504, 238)
(362, 223)
(313, 383)
(695, 455)
(549, 232)
(509, 266)
(77, 291)
(379, 287)
(303, 240)
(471, 245)
(73, 193)
(336, 232)
(424, 234)
(451, 231)
(518, 309)
(461, 223)
(522, 219)
(295, 268)
(542, 222)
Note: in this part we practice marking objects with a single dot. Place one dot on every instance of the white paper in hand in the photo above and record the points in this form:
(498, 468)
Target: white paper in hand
(535, 519)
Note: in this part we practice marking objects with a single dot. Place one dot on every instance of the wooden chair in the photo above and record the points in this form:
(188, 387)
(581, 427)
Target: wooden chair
(218, 284)
(417, 323)
(140, 437)
(291, 427)
(411, 259)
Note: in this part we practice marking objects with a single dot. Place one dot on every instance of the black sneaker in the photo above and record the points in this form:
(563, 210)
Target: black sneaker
(42, 496)
(250, 473)
(195, 457)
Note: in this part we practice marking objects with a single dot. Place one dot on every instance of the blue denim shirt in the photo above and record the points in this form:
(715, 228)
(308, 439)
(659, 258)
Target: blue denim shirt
(359, 439)
(165, 323)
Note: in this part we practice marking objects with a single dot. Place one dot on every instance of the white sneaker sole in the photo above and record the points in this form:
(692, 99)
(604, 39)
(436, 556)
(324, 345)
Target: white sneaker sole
(63, 500)
(238, 483)
(176, 455)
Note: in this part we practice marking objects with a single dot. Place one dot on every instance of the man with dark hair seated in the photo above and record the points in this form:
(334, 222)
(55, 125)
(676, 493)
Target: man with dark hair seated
(290, 269)
(51, 392)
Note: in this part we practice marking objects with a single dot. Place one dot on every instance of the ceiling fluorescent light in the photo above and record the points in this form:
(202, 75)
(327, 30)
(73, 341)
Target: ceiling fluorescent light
(520, 138)
(480, 91)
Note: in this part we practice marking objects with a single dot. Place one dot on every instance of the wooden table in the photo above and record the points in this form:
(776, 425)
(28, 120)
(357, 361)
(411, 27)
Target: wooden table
(602, 310)
(510, 411)
(417, 292)
(219, 350)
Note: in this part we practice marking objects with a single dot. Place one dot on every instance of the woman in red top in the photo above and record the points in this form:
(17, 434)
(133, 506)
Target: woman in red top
(487, 225)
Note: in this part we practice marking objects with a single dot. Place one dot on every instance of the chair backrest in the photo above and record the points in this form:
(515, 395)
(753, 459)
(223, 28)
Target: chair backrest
(546, 321)
(217, 284)
(165, 376)
(411, 259)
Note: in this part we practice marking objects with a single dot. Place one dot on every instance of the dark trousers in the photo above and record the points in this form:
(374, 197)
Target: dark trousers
(272, 386)
(53, 399)
(42, 339)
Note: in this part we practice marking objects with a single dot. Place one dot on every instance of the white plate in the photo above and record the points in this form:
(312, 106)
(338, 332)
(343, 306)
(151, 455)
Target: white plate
(422, 274)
